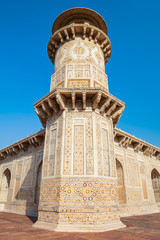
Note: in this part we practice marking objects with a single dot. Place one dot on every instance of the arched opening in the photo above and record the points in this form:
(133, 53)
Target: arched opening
(38, 183)
(155, 176)
(6, 178)
(120, 180)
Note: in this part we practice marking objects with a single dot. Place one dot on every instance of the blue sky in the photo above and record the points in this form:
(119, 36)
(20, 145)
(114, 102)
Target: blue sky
(133, 69)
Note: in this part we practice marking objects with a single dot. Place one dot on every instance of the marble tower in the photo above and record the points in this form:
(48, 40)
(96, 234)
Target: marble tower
(79, 183)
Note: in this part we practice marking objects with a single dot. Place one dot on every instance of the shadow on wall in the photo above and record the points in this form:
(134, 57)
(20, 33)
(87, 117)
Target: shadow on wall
(120, 183)
(19, 191)
(33, 219)
(27, 194)
(6, 178)
(156, 184)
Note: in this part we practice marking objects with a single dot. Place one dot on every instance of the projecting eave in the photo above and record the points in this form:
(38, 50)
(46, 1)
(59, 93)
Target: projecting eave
(91, 98)
(85, 31)
(35, 140)
(82, 14)
(127, 140)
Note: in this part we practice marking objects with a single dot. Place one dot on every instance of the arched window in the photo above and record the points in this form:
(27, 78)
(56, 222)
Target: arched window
(120, 180)
(38, 183)
(155, 176)
(6, 178)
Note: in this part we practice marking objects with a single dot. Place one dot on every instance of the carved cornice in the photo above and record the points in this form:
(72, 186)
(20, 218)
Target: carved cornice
(80, 15)
(23, 145)
(70, 32)
(127, 140)
(100, 100)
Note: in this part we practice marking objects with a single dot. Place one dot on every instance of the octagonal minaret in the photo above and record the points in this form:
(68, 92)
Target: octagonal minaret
(79, 182)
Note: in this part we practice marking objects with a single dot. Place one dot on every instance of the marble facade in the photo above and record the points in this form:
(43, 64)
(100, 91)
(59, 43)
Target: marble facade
(80, 173)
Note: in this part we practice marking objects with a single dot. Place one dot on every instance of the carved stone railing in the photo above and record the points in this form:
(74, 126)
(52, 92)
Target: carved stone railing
(127, 140)
(78, 75)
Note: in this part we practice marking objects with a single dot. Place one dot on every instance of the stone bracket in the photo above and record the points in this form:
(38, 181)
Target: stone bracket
(101, 100)
(69, 32)
(127, 140)
(34, 140)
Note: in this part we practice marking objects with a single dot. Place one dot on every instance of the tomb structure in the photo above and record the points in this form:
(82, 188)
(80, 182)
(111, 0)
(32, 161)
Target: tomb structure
(80, 173)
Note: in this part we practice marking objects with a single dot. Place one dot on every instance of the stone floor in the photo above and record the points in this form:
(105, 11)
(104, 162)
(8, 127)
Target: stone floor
(18, 227)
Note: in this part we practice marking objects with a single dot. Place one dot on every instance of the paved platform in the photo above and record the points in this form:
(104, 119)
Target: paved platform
(18, 227)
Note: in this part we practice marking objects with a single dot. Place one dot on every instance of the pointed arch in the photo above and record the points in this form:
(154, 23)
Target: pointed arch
(155, 176)
(120, 183)
(38, 183)
(6, 178)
